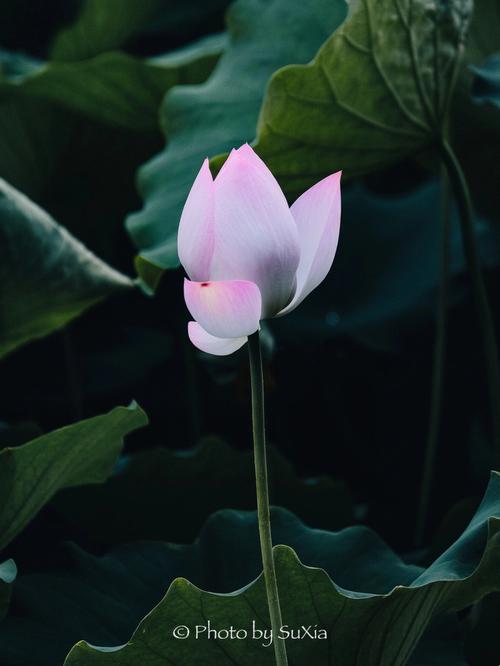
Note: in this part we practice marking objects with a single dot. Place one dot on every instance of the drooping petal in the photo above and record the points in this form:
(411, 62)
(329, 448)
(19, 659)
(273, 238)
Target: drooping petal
(212, 345)
(229, 309)
(256, 237)
(317, 214)
(195, 239)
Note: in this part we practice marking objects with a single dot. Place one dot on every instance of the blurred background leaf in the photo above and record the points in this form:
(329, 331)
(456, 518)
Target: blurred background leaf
(137, 502)
(113, 87)
(47, 276)
(83, 452)
(74, 131)
(105, 26)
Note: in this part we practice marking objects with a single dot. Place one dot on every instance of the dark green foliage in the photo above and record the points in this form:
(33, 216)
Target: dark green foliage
(81, 453)
(375, 608)
(107, 109)
(149, 484)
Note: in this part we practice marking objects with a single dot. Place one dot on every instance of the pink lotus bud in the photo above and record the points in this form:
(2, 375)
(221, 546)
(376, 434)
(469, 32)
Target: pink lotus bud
(250, 256)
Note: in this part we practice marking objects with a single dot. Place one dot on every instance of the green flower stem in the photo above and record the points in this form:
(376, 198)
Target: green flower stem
(439, 362)
(490, 349)
(266, 544)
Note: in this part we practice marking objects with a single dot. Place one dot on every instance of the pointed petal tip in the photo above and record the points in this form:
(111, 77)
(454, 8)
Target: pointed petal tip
(332, 179)
(246, 149)
(250, 156)
(228, 163)
(206, 167)
(242, 159)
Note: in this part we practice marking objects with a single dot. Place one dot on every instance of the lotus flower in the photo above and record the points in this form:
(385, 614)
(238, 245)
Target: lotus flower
(248, 255)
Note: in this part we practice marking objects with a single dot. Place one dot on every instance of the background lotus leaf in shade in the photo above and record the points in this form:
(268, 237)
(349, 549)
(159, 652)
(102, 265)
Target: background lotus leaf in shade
(81, 453)
(147, 485)
(113, 87)
(47, 277)
(105, 26)
(73, 133)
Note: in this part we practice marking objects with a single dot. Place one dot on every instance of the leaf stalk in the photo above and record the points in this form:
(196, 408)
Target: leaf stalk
(438, 364)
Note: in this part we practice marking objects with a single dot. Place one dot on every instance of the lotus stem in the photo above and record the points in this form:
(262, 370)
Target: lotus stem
(262, 486)
(438, 364)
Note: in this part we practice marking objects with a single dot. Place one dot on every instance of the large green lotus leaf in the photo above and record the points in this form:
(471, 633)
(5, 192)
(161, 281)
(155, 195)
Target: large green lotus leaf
(205, 120)
(376, 92)
(47, 277)
(384, 238)
(487, 81)
(373, 617)
(102, 599)
(114, 87)
(105, 26)
(147, 485)
(8, 573)
(81, 453)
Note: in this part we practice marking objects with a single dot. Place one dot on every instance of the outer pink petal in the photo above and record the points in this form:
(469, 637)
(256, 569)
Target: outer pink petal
(195, 240)
(210, 344)
(229, 309)
(256, 237)
(317, 214)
